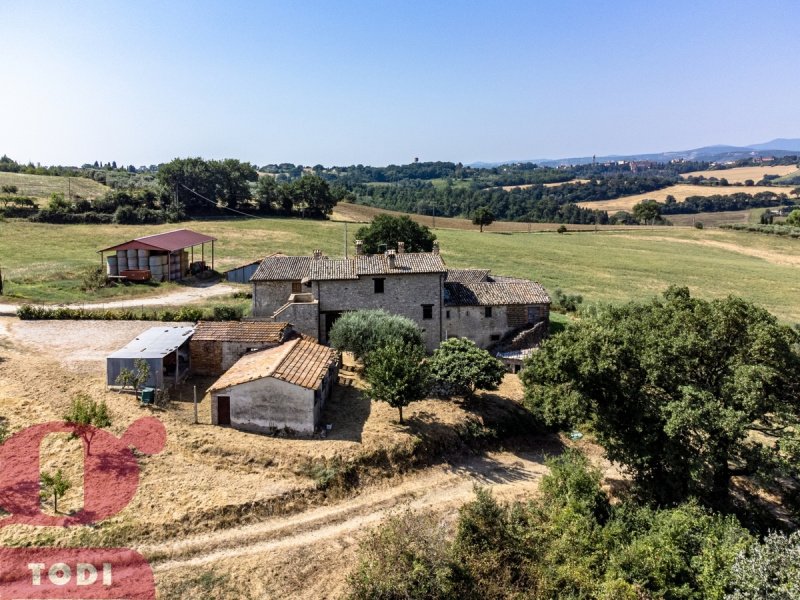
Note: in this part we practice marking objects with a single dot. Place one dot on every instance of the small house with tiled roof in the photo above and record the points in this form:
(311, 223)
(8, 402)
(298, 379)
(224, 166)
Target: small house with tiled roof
(281, 388)
(217, 345)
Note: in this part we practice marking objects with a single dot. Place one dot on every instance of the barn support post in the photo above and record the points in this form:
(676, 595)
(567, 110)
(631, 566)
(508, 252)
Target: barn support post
(195, 405)
(177, 365)
(212, 255)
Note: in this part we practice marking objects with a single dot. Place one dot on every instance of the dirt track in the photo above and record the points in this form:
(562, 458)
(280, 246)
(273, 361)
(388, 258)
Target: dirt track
(179, 297)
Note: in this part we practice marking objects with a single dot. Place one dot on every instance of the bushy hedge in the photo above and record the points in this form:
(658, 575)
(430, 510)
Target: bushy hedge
(29, 312)
(782, 230)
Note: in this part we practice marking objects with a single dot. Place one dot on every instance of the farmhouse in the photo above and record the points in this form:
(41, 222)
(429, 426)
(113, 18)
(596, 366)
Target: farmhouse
(285, 387)
(311, 292)
(161, 257)
(166, 351)
(216, 346)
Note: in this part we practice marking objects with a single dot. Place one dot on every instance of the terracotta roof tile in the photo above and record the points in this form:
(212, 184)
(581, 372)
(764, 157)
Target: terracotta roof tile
(277, 268)
(242, 331)
(467, 275)
(299, 362)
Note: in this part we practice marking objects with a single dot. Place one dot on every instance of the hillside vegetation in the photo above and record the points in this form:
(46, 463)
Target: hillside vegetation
(42, 186)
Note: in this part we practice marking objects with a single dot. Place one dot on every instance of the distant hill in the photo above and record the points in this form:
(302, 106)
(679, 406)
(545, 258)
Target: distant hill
(717, 153)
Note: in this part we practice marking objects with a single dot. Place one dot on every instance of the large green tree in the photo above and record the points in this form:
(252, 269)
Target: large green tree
(674, 388)
(364, 331)
(311, 195)
(226, 182)
(482, 216)
(459, 367)
(386, 230)
(397, 374)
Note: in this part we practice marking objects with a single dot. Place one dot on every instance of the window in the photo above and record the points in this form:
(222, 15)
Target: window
(495, 337)
(297, 287)
(488, 312)
(448, 314)
(427, 311)
(378, 281)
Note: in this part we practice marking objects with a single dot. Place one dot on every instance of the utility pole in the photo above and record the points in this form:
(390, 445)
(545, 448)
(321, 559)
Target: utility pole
(345, 240)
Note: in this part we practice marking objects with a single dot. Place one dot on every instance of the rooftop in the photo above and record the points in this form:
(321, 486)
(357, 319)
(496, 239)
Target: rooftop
(300, 362)
(155, 342)
(494, 291)
(242, 331)
(280, 268)
(169, 241)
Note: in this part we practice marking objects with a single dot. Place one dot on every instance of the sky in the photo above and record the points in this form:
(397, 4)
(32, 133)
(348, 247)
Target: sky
(380, 82)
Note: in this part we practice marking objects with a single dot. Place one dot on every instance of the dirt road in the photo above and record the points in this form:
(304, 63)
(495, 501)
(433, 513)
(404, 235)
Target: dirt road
(178, 297)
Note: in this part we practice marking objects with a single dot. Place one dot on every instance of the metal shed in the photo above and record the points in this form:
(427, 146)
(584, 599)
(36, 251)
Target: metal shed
(162, 256)
(243, 273)
(166, 350)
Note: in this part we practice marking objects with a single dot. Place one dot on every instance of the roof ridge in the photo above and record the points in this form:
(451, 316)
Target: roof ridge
(289, 346)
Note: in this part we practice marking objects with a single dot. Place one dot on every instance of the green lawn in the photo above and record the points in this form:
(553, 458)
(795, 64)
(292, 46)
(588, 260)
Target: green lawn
(41, 186)
(43, 261)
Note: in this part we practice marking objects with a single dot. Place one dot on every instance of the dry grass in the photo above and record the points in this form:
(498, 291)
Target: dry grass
(681, 192)
(741, 174)
(713, 219)
(41, 186)
(528, 185)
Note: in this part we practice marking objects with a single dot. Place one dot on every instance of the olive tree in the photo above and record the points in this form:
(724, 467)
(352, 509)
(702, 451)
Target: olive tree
(363, 331)
(397, 374)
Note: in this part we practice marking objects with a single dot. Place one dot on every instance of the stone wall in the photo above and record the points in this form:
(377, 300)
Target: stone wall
(402, 294)
(214, 357)
(269, 296)
(471, 322)
(304, 317)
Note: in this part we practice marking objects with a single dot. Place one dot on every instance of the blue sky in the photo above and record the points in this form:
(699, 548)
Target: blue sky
(383, 82)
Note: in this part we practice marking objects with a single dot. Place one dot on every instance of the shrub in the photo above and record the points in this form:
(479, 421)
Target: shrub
(698, 225)
(459, 367)
(227, 313)
(565, 302)
(562, 229)
(187, 313)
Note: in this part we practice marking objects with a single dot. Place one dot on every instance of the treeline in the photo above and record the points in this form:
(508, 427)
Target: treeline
(537, 203)
(719, 202)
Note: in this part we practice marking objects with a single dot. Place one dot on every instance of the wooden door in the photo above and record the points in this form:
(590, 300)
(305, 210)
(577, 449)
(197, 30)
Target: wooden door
(223, 410)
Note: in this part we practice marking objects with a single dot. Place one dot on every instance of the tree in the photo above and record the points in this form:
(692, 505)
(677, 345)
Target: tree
(134, 378)
(225, 182)
(9, 189)
(397, 374)
(482, 216)
(55, 485)
(794, 218)
(386, 230)
(673, 388)
(364, 331)
(312, 195)
(647, 211)
(268, 194)
(459, 367)
(795, 192)
(768, 570)
(85, 414)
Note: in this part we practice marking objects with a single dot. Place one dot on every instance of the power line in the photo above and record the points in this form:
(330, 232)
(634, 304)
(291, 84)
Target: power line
(225, 207)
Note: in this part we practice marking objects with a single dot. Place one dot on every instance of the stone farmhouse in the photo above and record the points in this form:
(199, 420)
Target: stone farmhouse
(217, 345)
(311, 292)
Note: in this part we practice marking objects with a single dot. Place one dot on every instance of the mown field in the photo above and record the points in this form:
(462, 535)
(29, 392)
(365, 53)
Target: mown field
(742, 174)
(681, 192)
(40, 261)
(41, 186)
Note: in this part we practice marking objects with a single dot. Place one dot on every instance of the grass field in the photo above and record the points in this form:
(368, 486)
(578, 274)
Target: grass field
(741, 174)
(41, 186)
(715, 219)
(681, 192)
(605, 266)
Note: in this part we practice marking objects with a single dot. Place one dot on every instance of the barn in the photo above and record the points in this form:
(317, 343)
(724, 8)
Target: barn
(216, 346)
(165, 256)
(166, 351)
(285, 387)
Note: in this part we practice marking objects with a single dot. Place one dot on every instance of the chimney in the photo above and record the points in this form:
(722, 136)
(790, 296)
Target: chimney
(401, 247)
(317, 254)
(436, 247)
(359, 247)
(391, 257)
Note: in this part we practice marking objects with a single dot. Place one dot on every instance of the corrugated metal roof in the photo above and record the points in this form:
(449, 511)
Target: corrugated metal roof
(169, 241)
(517, 354)
(299, 361)
(241, 331)
(503, 292)
(155, 342)
(301, 267)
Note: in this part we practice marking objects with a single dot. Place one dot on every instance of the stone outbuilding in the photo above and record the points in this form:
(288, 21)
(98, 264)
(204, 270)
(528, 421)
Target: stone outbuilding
(285, 387)
(493, 310)
(217, 345)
